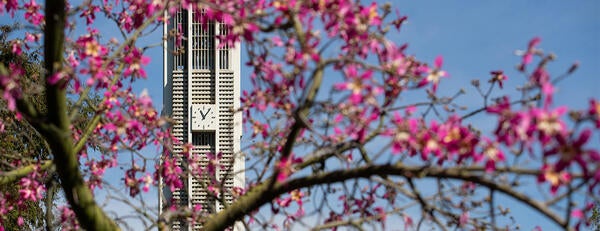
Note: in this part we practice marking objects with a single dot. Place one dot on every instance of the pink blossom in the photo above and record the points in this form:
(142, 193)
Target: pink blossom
(90, 13)
(32, 37)
(430, 145)
(134, 61)
(32, 15)
(572, 150)
(126, 21)
(89, 46)
(277, 41)
(10, 85)
(555, 178)
(540, 76)
(11, 7)
(31, 189)
(512, 126)
(402, 133)
(547, 91)
(457, 139)
(295, 196)
(549, 122)
(68, 220)
(56, 77)
(214, 190)
(371, 15)
(170, 173)
(72, 61)
(499, 77)
(433, 75)
(594, 112)
(528, 56)
(357, 83)
(285, 167)
(260, 128)
(492, 154)
(197, 208)
(16, 46)
(464, 219)
(577, 213)
(408, 221)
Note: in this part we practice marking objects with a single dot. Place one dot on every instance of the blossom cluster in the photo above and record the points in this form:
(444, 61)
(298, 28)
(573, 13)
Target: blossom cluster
(98, 73)
(297, 48)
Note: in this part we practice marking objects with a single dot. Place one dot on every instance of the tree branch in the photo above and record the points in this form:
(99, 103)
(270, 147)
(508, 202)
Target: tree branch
(301, 114)
(59, 137)
(50, 192)
(84, 95)
(261, 194)
(9, 177)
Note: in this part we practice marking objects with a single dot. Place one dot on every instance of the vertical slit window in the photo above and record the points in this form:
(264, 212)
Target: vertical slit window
(179, 43)
(203, 42)
(203, 138)
(224, 52)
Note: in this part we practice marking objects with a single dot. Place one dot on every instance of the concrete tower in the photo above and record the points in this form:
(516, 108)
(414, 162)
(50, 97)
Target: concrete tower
(201, 91)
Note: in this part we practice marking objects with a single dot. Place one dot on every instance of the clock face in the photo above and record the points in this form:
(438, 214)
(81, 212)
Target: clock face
(204, 117)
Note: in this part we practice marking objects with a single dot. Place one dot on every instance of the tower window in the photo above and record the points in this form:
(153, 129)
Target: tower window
(203, 43)
(203, 138)
(224, 52)
(179, 44)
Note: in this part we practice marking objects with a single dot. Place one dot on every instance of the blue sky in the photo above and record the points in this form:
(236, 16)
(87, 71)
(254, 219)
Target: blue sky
(478, 36)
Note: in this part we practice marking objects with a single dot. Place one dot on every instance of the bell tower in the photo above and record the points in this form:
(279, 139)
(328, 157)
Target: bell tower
(201, 93)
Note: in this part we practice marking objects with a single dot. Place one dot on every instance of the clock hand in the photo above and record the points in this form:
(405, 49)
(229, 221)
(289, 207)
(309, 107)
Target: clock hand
(203, 114)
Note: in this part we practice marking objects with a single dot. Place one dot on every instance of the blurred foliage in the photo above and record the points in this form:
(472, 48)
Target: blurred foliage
(20, 144)
(596, 218)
